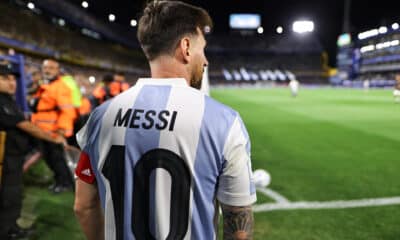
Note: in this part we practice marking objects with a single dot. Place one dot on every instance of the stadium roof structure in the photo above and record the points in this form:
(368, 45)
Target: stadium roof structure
(327, 15)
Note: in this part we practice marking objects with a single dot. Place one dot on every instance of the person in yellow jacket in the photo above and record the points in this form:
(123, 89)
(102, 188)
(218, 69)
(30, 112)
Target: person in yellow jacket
(56, 110)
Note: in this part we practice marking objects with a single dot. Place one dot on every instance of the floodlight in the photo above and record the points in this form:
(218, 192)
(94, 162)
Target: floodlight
(85, 4)
(111, 17)
(31, 6)
(303, 26)
(382, 30)
(367, 34)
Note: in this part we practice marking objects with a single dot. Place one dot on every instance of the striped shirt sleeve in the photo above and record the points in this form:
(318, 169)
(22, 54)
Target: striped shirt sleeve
(236, 186)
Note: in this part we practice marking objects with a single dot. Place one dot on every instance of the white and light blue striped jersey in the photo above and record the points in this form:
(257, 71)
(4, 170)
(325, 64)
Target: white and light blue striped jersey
(162, 153)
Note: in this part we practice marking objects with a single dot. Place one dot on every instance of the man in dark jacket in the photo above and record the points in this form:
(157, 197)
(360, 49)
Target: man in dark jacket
(15, 132)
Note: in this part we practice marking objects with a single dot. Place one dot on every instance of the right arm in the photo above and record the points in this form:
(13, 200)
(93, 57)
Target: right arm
(236, 191)
(238, 222)
(36, 132)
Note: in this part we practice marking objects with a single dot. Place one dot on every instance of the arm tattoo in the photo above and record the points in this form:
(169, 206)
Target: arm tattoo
(238, 222)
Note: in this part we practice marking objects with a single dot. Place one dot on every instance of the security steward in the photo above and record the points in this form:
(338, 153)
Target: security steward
(119, 77)
(84, 112)
(55, 112)
(102, 91)
(15, 134)
(110, 87)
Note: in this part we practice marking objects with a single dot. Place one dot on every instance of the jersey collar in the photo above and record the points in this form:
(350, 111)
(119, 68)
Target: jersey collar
(162, 81)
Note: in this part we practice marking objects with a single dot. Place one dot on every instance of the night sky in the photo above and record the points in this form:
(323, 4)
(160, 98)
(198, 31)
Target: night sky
(327, 15)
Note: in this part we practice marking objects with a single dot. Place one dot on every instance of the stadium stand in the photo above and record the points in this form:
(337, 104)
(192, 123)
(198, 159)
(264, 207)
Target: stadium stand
(89, 47)
(80, 18)
(29, 32)
(269, 59)
(375, 58)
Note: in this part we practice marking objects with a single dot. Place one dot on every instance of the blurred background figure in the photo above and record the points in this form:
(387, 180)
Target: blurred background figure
(121, 78)
(36, 77)
(294, 87)
(366, 85)
(57, 109)
(119, 85)
(396, 91)
(84, 110)
(15, 135)
(111, 86)
(102, 91)
(32, 100)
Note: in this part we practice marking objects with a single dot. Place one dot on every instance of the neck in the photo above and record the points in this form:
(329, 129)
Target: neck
(168, 67)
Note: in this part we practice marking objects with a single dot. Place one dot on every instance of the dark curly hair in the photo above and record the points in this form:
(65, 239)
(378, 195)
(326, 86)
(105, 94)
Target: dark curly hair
(164, 23)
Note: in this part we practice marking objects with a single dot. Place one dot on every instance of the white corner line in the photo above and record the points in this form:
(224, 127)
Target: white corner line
(339, 204)
(274, 195)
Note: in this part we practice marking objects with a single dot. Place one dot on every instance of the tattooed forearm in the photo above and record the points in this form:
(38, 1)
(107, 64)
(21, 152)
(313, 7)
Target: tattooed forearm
(238, 222)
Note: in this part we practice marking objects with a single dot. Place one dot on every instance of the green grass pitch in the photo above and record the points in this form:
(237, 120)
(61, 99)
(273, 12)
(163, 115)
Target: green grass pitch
(325, 145)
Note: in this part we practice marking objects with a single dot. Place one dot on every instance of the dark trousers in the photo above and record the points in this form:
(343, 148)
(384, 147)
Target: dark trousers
(55, 159)
(10, 193)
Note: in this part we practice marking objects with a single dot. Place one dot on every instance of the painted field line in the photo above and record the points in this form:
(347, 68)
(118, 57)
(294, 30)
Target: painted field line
(371, 202)
(274, 195)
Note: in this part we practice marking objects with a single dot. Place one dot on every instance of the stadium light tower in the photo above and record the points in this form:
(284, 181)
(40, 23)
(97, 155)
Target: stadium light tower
(31, 6)
(303, 26)
(85, 4)
(346, 16)
(111, 17)
(279, 29)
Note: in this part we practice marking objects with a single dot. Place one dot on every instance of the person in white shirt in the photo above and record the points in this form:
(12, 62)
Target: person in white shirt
(294, 87)
(160, 157)
(366, 85)
(396, 91)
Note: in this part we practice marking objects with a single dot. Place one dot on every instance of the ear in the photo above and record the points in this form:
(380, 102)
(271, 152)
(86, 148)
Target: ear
(185, 49)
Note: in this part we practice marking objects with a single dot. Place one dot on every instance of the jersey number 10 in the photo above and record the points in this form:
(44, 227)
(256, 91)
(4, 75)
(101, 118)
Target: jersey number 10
(114, 171)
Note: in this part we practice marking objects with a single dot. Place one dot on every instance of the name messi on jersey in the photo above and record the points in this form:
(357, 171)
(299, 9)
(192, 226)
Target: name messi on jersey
(139, 118)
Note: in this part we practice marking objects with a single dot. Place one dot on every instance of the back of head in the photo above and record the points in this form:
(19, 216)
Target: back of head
(8, 69)
(108, 78)
(119, 77)
(163, 24)
(8, 72)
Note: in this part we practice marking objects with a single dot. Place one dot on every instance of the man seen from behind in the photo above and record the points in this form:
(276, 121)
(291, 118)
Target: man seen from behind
(160, 157)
